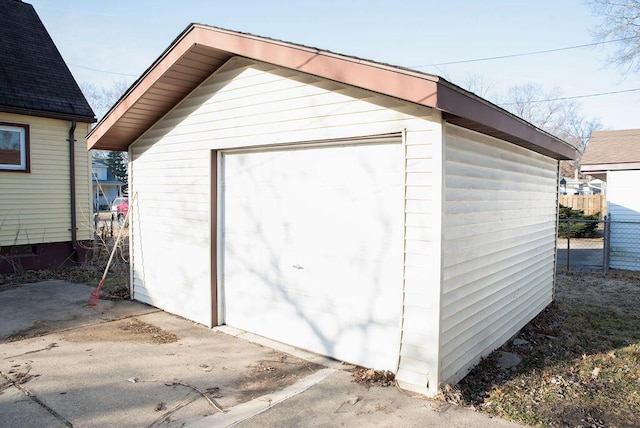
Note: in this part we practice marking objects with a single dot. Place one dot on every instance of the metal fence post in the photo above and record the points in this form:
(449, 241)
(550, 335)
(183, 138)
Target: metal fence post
(607, 243)
(568, 243)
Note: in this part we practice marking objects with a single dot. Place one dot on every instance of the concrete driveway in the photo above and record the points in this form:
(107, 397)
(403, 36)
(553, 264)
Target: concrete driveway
(587, 254)
(130, 365)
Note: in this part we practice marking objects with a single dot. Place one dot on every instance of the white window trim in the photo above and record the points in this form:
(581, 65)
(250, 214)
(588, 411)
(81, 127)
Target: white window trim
(23, 131)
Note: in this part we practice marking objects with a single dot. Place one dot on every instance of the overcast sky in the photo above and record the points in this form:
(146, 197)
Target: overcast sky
(109, 40)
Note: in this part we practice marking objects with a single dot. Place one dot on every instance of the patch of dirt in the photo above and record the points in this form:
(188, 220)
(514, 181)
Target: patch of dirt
(270, 375)
(371, 377)
(156, 334)
(130, 330)
(573, 414)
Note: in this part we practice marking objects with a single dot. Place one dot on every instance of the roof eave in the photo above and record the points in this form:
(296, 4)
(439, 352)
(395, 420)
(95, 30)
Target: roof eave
(465, 109)
(462, 107)
(604, 167)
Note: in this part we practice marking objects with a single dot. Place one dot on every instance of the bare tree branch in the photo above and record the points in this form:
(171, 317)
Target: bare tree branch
(619, 19)
(560, 117)
(101, 100)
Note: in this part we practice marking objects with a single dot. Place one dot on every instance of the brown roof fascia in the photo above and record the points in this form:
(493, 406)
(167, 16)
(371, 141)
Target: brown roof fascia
(405, 84)
(470, 111)
(416, 87)
(178, 48)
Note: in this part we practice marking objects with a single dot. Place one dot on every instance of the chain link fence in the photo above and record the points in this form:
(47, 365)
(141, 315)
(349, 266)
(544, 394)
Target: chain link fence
(623, 244)
(590, 245)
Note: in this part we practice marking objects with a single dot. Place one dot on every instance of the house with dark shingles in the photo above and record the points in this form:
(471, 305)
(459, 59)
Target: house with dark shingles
(45, 184)
(379, 215)
(614, 157)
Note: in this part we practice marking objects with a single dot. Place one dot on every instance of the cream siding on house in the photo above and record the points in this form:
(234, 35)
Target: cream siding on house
(498, 249)
(245, 104)
(35, 206)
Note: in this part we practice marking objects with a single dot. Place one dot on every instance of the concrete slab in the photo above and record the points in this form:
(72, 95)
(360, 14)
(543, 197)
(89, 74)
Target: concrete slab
(38, 308)
(18, 410)
(246, 411)
(338, 401)
(129, 365)
(142, 370)
(283, 347)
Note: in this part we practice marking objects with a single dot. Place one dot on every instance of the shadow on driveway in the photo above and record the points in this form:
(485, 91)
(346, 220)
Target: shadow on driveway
(129, 365)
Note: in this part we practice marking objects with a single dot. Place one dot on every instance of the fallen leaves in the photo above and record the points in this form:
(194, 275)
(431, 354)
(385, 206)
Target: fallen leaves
(581, 366)
(156, 334)
(373, 377)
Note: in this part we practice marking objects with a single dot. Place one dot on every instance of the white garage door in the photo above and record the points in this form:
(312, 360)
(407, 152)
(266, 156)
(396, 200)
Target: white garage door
(313, 248)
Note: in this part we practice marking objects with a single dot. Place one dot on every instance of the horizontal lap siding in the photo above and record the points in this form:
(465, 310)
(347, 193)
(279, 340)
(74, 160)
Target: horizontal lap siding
(244, 104)
(498, 249)
(34, 207)
(170, 230)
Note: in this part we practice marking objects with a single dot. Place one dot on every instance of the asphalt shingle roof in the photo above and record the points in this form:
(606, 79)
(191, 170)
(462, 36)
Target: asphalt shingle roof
(34, 79)
(605, 147)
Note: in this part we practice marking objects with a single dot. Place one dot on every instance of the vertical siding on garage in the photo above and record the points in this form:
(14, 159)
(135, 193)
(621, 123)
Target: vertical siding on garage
(498, 248)
(244, 104)
(623, 205)
(34, 207)
(622, 195)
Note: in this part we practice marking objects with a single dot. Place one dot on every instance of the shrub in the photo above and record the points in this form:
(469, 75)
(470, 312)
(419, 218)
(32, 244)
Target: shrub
(578, 229)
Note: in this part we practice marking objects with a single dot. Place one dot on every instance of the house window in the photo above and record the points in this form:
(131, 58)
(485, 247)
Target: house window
(14, 147)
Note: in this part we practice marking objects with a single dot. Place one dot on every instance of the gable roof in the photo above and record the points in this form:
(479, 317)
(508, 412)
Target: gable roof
(200, 50)
(34, 79)
(609, 150)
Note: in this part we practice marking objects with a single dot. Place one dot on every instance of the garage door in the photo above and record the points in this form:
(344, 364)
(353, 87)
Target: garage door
(313, 248)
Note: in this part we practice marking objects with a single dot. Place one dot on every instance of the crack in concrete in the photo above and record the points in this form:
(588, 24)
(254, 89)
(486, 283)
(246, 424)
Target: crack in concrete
(34, 397)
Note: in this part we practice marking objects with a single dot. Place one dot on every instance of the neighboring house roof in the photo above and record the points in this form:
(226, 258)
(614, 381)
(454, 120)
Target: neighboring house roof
(34, 79)
(200, 50)
(612, 150)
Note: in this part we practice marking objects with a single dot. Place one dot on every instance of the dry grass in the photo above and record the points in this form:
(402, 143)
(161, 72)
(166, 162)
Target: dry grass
(116, 286)
(580, 367)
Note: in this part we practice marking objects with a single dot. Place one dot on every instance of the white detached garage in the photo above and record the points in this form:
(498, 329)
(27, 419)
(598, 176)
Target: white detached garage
(614, 157)
(374, 214)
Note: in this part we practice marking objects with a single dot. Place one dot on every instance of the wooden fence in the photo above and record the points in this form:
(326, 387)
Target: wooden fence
(590, 204)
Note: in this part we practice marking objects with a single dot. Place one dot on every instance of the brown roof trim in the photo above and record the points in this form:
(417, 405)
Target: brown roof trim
(465, 109)
(462, 107)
